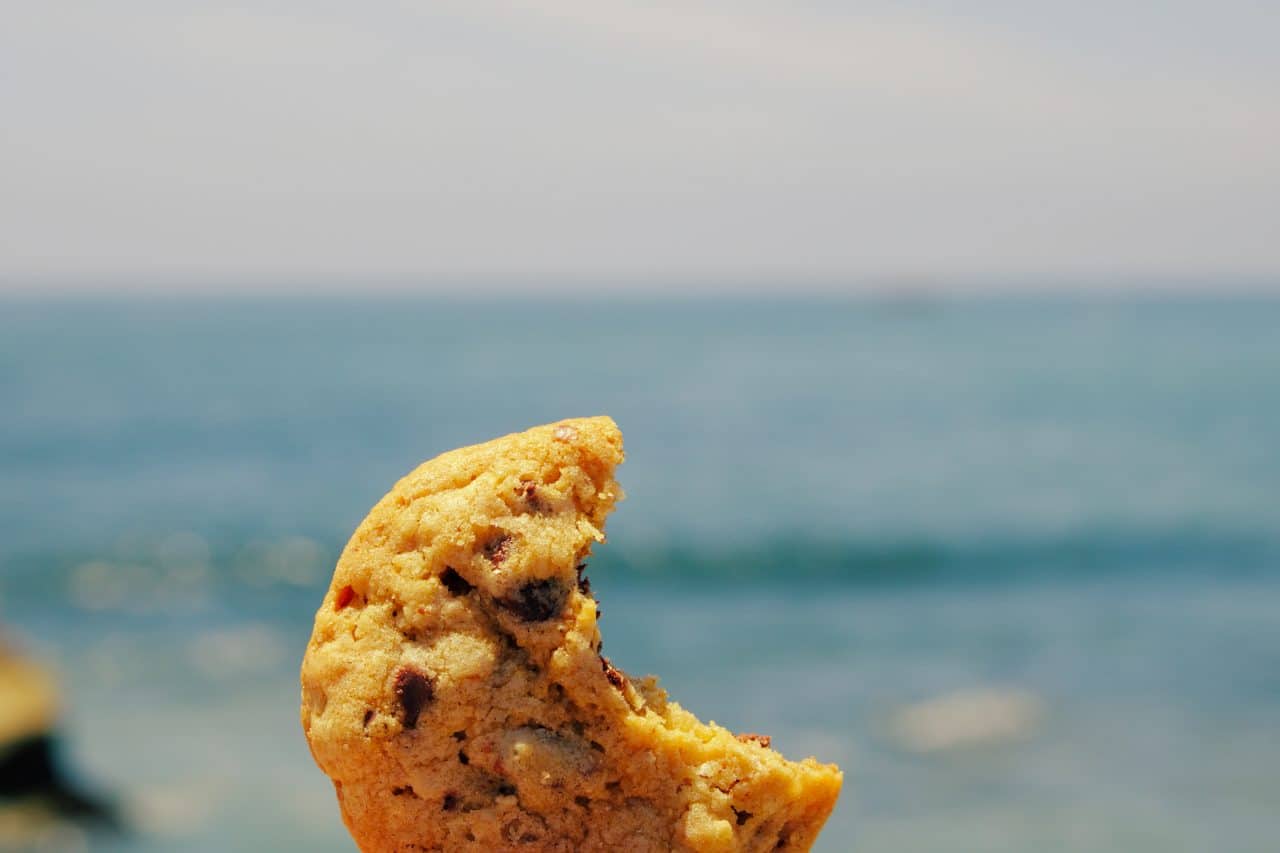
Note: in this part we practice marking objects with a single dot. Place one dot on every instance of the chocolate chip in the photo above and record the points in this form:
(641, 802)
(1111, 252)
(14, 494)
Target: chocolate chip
(536, 601)
(344, 597)
(459, 735)
(506, 789)
(368, 717)
(497, 549)
(616, 678)
(752, 737)
(462, 758)
(584, 583)
(454, 582)
(415, 691)
(400, 792)
(742, 816)
(450, 803)
(529, 492)
(582, 801)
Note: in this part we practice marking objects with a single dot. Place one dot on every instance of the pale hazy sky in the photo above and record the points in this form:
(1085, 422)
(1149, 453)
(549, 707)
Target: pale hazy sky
(575, 141)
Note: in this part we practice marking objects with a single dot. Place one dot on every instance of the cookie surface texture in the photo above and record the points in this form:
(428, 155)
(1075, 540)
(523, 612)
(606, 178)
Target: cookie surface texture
(454, 691)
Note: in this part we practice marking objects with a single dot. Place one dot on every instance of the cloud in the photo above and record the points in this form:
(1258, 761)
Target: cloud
(578, 140)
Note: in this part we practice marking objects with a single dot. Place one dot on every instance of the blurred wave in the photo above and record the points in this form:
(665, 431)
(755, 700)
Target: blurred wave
(185, 571)
(910, 561)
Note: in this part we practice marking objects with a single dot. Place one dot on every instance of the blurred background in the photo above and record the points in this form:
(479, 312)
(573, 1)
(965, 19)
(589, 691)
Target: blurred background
(946, 344)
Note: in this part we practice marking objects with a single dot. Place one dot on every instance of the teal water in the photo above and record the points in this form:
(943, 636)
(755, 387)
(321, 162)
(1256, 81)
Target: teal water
(842, 507)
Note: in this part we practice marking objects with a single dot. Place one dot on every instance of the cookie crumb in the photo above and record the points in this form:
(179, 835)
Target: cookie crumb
(752, 737)
(615, 676)
(415, 691)
(564, 432)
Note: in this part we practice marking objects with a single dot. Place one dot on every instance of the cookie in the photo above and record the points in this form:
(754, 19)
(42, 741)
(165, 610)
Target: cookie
(455, 693)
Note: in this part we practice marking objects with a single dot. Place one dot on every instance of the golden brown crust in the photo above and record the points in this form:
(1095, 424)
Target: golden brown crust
(454, 691)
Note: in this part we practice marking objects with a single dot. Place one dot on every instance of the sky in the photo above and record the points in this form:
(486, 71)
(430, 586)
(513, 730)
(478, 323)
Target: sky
(595, 144)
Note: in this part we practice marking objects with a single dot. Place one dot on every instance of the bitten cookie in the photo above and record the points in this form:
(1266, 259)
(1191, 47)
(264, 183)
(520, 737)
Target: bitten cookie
(454, 690)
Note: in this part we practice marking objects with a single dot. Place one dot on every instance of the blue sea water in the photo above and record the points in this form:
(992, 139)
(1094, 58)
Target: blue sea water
(836, 509)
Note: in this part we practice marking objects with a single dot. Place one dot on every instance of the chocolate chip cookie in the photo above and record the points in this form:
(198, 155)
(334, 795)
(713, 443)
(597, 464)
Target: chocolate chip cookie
(455, 693)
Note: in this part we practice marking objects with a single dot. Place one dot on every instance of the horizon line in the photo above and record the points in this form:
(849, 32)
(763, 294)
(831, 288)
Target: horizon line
(905, 287)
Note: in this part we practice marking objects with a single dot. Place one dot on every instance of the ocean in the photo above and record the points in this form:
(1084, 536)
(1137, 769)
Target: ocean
(837, 509)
